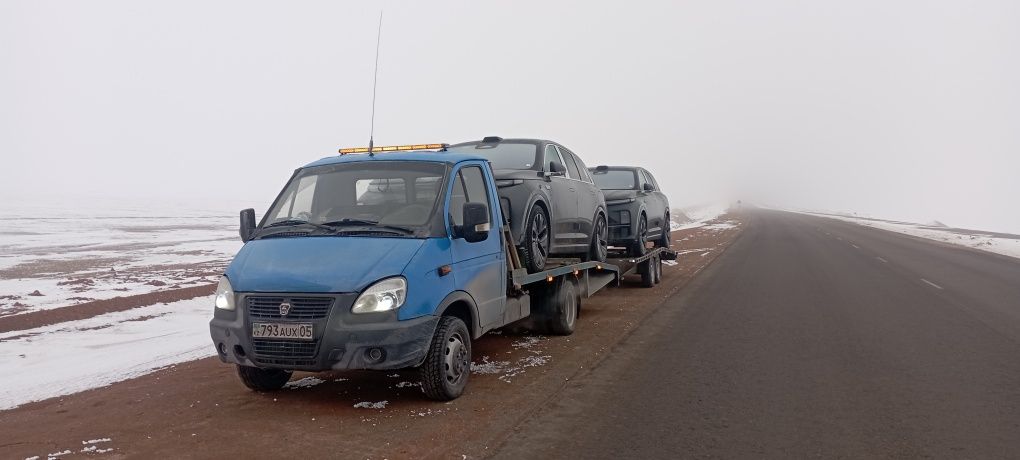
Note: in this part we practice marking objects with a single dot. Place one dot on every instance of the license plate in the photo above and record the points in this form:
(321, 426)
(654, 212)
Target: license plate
(299, 331)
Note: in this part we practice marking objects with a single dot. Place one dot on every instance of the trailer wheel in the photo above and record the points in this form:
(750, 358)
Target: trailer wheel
(657, 263)
(647, 273)
(565, 307)
(444, 374)
(263, 380)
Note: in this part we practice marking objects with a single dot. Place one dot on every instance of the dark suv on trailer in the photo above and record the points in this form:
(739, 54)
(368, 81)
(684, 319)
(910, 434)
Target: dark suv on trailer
(638, 210)
(548, 196)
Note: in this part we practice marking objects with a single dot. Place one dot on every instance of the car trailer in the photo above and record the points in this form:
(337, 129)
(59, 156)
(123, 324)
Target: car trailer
(550, 300)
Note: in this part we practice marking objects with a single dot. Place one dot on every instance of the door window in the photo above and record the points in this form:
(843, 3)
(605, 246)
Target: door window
(571, 165)
(552, 155)
(468, 187)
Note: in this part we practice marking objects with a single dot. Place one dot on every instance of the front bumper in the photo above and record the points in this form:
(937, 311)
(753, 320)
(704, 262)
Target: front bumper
(340, 339)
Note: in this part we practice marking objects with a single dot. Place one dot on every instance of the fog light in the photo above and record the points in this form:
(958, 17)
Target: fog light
(222, 349)
(375, 355)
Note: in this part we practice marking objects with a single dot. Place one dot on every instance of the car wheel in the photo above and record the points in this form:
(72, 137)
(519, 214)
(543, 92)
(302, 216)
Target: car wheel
(664, 239)
(259, 379)
(536, 240)
(599, 249)
(444, 374)
(640, 238)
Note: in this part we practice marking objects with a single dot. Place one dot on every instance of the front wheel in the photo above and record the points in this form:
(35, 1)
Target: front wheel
(664, 239)
(444, 374)
(638, 248)
(536, 240)
(599, 248)
(263, 380)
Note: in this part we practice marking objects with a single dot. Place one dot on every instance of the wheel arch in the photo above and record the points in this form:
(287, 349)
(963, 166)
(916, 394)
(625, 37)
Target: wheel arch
(460, 304)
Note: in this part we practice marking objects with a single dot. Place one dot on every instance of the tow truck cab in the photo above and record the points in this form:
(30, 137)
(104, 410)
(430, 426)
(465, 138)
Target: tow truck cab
(356, 263)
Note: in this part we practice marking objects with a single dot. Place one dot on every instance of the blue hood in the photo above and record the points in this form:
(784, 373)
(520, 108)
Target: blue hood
(319, 264)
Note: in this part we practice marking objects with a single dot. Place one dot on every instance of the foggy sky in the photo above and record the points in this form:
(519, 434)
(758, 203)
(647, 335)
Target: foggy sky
(906, 110)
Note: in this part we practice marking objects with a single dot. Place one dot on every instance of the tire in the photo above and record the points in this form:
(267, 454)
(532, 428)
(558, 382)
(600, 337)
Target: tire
(537, 236)
(637, 248)
(648, 274)
(565, 308)
(447, 365)
(598, 250)
(263, 380)
(657, 264)
(664, 238)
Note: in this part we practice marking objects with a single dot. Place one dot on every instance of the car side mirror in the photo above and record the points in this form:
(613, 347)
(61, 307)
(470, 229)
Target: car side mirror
(247, 224)
(649, 187)
(555, 169)
(476, 223)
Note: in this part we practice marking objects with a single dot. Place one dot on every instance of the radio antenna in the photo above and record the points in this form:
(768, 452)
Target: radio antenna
(375, 82)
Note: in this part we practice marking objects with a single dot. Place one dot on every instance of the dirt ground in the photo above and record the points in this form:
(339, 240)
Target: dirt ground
(200, 409)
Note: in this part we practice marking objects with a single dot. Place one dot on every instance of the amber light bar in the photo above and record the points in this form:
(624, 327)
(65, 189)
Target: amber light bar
(392, 148)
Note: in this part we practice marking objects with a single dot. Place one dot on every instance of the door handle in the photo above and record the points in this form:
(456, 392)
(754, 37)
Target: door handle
(572, 189)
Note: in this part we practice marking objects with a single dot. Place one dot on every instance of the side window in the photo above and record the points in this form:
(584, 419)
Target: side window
(474, 182)
(646, 179)
(585, 176)
(571, 165)
(552, 155)
(458, 196)
(651, 179)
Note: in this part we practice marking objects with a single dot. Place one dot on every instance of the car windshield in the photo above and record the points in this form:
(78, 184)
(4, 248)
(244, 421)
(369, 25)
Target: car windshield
(503, 155)
(383, 194)
(614, 179)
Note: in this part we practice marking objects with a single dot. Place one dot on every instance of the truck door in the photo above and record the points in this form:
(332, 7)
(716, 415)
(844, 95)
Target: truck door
(564, 203)
(478, 268)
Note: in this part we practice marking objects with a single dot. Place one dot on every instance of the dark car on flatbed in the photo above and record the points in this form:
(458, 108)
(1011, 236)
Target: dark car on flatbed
(548, 196)
(638, 210)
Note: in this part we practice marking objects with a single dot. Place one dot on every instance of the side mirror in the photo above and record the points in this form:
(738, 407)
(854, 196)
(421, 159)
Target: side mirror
(247, 224)
(649, 187)
(555, 169)
(476, 223)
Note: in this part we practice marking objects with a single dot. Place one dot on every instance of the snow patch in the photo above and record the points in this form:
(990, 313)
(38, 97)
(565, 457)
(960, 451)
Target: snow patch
(306, 382)
(371, 405)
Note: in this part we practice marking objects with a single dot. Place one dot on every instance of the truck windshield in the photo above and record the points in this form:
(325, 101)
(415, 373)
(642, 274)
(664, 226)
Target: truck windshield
(503, 155)
(614, 179)
(392, 196)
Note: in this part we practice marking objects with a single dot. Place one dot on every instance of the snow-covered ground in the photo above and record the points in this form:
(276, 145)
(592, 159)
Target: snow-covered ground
(74, 356)
(1008, 245)
(698, 216)
(53, 258)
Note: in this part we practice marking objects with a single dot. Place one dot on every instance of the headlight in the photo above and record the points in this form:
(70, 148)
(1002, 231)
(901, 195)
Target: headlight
(385, 295)
(224, 295)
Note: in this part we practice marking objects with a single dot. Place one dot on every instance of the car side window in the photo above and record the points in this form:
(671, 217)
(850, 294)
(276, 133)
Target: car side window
(458, 196)
(585, 176)
(651, 179)
(647, 179)
(571, 165)
(474, 183)
(552, 155)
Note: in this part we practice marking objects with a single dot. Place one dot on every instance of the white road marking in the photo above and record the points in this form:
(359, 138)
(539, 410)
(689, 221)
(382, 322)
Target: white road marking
(883, 260)
(932, 284)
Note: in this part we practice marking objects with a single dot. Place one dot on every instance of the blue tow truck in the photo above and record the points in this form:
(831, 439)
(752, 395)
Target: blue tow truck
(387, 259)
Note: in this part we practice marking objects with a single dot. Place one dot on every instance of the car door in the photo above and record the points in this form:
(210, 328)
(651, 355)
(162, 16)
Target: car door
(564, 203)
(587, 194)
(478, 267)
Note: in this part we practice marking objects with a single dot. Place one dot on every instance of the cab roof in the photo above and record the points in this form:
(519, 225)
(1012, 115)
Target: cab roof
(416, 155)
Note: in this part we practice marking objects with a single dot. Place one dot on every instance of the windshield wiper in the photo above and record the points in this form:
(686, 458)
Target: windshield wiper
(296, 222)
(369, 223)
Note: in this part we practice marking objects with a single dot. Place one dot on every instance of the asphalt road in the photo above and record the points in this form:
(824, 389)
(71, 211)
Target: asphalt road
(808, 337)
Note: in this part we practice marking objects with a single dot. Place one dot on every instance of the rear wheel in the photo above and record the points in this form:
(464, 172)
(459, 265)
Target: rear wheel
(664, 239)
(259, 379)
(638, 248)
(536, 240)
(444, 374)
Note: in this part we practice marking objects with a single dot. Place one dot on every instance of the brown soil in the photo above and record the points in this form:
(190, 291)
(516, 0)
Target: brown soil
(200, 409)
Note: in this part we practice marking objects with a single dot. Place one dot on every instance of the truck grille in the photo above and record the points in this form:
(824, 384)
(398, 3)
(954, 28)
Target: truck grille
(301, 308)
(285, 352)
